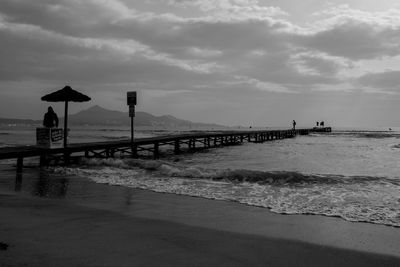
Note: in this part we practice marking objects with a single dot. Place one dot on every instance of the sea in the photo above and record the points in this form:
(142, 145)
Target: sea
(353, 174)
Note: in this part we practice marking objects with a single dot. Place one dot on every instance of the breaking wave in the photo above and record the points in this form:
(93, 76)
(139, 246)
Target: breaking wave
(170, 169)
(354, 198)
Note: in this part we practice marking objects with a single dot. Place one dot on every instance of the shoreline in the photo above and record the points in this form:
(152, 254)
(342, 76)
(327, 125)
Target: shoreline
(119, 226)
(266, 208)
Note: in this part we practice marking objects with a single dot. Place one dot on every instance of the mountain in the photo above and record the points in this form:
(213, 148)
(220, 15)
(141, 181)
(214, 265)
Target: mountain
(97, 115)
(20, 122)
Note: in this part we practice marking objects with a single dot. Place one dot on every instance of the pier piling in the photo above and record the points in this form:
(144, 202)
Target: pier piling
(20, 164)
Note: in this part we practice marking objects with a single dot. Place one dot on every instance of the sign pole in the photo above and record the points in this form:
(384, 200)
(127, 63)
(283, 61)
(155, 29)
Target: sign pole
(132, 133)
(133, 147)
(131, 101)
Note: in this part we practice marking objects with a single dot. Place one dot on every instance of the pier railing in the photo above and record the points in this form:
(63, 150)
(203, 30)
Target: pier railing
(148, 146)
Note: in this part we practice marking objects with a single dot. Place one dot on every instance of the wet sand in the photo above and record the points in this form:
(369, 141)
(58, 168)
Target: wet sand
(88, 224)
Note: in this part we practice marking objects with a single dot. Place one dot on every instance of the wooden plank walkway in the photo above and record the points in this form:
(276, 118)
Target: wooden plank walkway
(179, 143)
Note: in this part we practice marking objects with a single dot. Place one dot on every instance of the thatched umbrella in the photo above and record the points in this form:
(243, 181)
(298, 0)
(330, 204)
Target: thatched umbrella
(67, 94)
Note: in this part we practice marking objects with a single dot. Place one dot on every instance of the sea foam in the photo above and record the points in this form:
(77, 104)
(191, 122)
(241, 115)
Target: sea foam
(354, 198)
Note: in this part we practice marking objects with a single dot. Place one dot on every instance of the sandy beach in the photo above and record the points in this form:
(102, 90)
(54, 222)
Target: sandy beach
(102, 225)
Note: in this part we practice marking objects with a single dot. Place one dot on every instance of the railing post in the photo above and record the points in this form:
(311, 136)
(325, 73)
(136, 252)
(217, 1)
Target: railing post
(176, 147)
(156, 153)
(66, 156)
(42, 160)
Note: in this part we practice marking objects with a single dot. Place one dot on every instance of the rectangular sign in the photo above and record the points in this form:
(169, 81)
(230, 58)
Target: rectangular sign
(131, 98)
(43, 137)
(49, 137)
(56, 136)
(131, 111)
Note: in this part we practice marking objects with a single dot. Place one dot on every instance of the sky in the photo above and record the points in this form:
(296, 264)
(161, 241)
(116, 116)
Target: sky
(231, 62)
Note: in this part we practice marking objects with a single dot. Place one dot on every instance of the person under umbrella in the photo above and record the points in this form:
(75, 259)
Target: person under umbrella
(50, 119)
(67, 94)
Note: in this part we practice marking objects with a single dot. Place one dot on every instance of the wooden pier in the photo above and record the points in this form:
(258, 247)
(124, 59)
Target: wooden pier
(147, 146)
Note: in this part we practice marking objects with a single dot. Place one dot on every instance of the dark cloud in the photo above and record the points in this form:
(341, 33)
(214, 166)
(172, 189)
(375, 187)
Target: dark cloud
(232, 40)
(223, 55)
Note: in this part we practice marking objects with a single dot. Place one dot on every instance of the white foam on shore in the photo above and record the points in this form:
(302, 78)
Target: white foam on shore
(354, 198)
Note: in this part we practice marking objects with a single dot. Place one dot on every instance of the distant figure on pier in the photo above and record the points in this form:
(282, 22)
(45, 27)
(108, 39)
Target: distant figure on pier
(317, 123)
(294, 125)
(322, 123)
(50, 118)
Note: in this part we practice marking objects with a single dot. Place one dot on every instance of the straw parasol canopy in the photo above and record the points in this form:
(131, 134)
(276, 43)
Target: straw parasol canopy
(67, 94)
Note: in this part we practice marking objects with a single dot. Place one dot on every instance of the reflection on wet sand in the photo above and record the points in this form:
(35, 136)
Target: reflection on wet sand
(128, 197)
(45, 186)
(18, 182)
(46, 183)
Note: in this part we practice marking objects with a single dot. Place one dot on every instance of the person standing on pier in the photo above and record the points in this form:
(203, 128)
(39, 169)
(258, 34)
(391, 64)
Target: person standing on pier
(50, 119)
(294, 125)
(317, 123)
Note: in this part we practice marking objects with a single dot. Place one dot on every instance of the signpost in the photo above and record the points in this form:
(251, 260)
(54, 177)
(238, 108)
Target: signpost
(131, 111)
(131, 101)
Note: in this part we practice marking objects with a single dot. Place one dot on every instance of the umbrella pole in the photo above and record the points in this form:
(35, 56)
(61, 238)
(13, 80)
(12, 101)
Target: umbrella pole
(65, 124)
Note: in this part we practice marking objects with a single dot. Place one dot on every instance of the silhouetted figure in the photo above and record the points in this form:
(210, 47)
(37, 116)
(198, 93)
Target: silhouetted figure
(50, 118)
(294, 125)
(317, 123)
(322, 123)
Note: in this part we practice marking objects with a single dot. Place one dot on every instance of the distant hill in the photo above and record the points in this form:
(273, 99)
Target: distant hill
(20, 122)
(97, 115)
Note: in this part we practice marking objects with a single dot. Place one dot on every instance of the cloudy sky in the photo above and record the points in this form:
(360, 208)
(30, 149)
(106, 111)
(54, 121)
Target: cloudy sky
(231, 62)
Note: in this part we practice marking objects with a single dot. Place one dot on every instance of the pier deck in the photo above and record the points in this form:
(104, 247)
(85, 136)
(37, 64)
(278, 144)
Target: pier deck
(147, 146)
